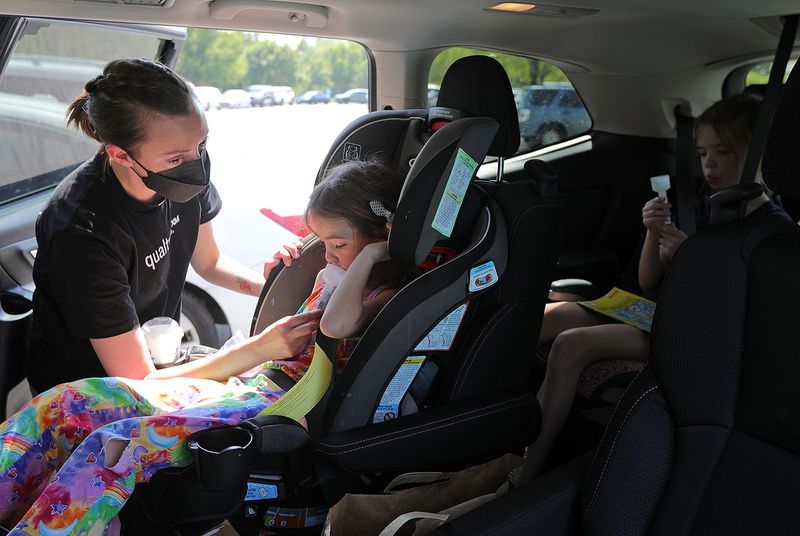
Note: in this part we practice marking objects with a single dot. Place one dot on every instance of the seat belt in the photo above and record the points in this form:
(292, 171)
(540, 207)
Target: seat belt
(684, 180)
(773, 91)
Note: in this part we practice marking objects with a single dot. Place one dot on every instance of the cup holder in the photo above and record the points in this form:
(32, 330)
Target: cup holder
(14, 307)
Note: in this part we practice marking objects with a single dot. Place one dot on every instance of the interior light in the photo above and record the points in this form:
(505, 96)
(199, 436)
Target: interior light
(513, 6)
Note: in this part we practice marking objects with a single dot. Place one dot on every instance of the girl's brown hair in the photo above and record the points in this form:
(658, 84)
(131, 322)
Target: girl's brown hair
(345, 193)
(733, 119)
(115, 106)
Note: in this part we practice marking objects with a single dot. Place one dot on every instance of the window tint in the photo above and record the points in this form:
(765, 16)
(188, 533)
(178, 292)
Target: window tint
(548, 107)
(47, 70)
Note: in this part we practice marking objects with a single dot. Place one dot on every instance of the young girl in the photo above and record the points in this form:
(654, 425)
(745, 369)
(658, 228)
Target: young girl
(72, 456)
(581, 336)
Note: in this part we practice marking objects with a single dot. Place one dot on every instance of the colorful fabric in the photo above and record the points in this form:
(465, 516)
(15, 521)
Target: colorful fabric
(72, 456)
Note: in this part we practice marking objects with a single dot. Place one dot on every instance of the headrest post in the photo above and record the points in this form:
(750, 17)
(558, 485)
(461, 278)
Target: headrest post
(500, 167)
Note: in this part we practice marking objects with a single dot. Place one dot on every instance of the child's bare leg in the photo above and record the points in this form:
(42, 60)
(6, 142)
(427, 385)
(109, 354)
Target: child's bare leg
(561, 316)
(569, 355)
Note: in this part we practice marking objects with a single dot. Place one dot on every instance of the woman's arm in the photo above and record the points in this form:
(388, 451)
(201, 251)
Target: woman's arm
(126, 355)
(219, 269)
(347, 313)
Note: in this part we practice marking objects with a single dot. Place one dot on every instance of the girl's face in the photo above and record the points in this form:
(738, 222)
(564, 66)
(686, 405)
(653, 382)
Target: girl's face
(721, 163)
(171, 141)
(342, 242)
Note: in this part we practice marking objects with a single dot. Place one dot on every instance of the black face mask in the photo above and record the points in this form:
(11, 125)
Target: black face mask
(181, 183)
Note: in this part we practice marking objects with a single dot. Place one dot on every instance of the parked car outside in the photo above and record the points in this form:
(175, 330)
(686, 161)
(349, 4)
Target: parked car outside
(282, 95)
(353, 95)
(235, 98)
(260, 95)
(209, 96)
(433, 94)
(313, 97)
(551, 112)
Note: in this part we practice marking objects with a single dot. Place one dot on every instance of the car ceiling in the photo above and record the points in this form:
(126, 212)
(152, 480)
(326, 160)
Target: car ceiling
(676, 48)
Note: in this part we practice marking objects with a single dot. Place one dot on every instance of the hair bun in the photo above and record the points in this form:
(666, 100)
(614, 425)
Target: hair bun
(94, 83)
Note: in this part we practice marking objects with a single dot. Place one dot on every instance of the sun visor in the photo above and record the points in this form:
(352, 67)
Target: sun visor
(436, 187)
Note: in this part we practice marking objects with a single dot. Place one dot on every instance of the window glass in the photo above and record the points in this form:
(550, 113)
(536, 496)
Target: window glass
(47, 70)
(759, 74)
(548, 107)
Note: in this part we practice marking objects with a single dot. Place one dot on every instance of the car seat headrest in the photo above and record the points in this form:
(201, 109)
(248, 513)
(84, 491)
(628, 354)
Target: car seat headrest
(781, 161)
(436, 186)
(478, 86)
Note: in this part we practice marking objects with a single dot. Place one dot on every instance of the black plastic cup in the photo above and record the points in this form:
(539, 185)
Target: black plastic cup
(222, 457)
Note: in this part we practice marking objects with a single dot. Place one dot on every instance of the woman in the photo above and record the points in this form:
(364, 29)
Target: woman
(116, 238)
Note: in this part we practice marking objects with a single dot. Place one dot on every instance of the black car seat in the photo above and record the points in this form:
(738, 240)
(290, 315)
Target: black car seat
(705, 440)
(478, 399)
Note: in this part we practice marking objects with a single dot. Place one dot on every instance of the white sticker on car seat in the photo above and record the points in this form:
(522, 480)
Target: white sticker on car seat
(389, 407)
(482, 276)
(440, 338)
(453, 196)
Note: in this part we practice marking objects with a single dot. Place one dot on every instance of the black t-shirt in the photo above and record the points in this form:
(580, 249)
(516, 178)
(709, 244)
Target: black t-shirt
(106, 263)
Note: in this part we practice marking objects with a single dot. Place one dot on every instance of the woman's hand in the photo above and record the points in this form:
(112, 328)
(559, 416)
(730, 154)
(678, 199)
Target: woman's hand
(655, 213)
(288, 336)
(377, 251)
(670, 238)
(287, 253)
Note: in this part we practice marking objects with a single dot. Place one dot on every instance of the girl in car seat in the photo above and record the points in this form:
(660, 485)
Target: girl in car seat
(72, 456)
(580, 336)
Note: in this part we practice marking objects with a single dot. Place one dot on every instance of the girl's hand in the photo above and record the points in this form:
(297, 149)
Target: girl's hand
(377, 251)
(671, 237)
(287, 252)
(654, 213)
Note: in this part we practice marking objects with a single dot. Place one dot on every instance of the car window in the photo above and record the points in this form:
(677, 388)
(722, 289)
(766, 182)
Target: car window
(47, 70)
(548, 107)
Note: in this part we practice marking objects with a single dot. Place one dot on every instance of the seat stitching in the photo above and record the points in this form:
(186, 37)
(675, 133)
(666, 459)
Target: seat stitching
(611, 450)
(472, 349)
(508, 308)
(516, 401)
(404, 436)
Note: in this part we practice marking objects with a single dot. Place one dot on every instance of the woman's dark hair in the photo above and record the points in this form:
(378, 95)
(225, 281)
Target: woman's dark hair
(115, 106)
(733, 119)
(345, 193)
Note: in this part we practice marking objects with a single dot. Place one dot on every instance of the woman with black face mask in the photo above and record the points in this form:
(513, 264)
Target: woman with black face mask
(117, 237)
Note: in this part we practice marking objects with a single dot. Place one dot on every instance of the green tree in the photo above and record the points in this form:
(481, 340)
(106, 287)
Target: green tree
(270, 63)
(521, 71)
(214, 58)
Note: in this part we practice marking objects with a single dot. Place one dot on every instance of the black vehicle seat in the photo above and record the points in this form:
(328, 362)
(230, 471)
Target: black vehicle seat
(705, 440)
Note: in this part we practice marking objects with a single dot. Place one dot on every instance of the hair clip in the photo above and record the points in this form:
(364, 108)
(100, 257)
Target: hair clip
(379, 210)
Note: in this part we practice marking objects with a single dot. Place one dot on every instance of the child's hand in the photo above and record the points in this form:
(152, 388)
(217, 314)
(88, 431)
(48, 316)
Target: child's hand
(671, 237)
(287, 252)
(654, 213)
(377, 251)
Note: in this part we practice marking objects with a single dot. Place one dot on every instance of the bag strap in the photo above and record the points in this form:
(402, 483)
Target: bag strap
(392, 528)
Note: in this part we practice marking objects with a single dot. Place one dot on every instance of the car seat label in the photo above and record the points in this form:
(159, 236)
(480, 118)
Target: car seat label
(258, 491)
(482, 276)
(389, 406)
(453, 196)
(441, 337)
(352, 151)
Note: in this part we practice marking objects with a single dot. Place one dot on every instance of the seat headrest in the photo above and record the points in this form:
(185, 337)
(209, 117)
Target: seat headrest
(781, 161)
(478, 86)
(436, 187)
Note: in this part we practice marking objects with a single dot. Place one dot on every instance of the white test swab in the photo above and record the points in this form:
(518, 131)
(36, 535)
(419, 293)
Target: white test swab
(660, 185)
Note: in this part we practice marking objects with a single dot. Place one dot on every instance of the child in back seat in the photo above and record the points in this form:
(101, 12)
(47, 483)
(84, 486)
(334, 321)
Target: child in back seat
(71, 457)
(580, 336)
